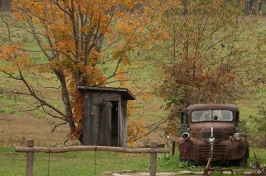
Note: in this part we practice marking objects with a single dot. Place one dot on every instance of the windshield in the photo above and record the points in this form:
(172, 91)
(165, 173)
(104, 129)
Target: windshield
(212, 115)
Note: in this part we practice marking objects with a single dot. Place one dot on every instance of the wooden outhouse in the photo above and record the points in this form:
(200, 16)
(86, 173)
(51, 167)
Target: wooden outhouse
(105, 115)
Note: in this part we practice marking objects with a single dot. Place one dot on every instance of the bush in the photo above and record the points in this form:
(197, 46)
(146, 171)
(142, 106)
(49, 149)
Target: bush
(259, 130)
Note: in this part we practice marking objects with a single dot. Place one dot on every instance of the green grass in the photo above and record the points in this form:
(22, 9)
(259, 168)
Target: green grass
(95, 163)
(9, 105)
(72, 163)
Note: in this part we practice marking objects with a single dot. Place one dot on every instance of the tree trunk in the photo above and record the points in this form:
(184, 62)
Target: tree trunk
(252, 6)
(5, 5)
(246, 9)
(259, 6)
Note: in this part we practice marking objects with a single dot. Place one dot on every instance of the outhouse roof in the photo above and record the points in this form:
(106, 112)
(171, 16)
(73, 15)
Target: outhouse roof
(123, 91)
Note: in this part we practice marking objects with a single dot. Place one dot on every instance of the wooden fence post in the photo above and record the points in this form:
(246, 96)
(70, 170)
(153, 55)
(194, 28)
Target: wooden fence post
(173, 148)
(30, 149)
(29, 159)
(153, 159)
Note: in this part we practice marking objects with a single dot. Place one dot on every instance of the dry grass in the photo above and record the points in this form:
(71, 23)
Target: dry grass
(15, 130)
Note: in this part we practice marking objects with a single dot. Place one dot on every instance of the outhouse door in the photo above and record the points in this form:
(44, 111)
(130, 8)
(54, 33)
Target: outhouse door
(109, 124)
(114, 124)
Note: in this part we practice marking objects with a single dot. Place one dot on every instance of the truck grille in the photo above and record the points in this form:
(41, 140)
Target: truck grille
(207, 135)
(204, 152)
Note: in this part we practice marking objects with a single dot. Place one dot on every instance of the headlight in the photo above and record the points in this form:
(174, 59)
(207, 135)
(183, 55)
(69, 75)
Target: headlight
(237, 136)
(186, 136)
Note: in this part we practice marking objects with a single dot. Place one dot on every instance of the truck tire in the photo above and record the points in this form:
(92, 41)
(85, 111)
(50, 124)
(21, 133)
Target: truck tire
(181, 159)
(244, 160)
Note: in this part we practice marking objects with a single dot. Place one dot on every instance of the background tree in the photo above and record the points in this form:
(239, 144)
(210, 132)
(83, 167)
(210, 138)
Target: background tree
(258, 131)
(5, 5)
(207, 51)
(253, 6)
(73, 42)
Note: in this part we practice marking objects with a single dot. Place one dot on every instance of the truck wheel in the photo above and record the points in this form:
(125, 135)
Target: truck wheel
(184, 160)
(244, 160)
(181, 158)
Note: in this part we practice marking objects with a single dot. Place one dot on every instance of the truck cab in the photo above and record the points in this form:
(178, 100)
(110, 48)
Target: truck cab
(212, 131)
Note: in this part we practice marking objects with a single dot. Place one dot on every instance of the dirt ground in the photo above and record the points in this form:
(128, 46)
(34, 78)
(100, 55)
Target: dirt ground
(15, 130)
(246, 173)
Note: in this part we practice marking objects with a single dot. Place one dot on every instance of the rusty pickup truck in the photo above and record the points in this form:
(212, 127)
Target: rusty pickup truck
(211, 131)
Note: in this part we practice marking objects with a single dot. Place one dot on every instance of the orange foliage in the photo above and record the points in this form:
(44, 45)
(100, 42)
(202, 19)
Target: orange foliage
(135, 130)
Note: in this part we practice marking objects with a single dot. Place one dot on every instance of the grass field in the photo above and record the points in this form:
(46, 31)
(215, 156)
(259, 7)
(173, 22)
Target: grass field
(72, 163)
(94, 163)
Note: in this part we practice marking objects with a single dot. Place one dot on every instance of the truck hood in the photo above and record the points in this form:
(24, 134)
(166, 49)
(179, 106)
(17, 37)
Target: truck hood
(217, 127)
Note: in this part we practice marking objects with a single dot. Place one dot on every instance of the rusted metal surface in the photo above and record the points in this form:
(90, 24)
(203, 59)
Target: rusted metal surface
(211, 131)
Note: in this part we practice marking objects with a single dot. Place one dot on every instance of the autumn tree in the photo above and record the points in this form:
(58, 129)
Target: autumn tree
(207, 51)
(73, 42)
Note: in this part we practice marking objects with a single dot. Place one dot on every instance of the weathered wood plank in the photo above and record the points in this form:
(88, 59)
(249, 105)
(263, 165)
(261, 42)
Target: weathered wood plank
(29, 158)
(153, 159)
(123, 119)
(90, 148)
(105, 124)
(111, 96)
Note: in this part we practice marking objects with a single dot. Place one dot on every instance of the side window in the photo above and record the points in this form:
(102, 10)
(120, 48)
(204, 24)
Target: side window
(186, 118)
(237, 116)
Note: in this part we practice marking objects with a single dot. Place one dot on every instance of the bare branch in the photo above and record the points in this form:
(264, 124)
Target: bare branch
(62, 8)
(33, 94)
(12, 76)
(158, 123)
(57, 125)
